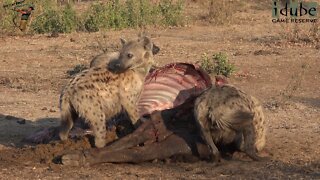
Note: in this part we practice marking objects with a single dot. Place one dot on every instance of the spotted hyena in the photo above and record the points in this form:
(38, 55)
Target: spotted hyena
(227, 115)
(102, 60)
(98, 94)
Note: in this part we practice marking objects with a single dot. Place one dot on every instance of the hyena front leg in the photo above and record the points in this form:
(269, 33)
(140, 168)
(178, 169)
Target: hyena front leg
(98, 125)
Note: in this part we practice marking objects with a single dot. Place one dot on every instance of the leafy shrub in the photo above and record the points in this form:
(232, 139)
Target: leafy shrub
(95, 18)
(217, 64)
(69, 18)
(114, 14)
(132, 13)
(140, 13)
(91, 24)
(222, 65)
(56, 20)
(207, 64)
(171, 12)
(7, 17)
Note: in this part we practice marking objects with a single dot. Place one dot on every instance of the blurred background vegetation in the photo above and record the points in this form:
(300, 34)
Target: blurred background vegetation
(66, 16)
(69, 16)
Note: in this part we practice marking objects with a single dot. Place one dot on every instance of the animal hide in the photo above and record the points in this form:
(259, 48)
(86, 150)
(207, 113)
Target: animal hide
(172, 85)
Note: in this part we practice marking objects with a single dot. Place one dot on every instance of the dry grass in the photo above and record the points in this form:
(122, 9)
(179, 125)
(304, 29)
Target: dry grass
(302, 33)
(221, 12)
(283, 99)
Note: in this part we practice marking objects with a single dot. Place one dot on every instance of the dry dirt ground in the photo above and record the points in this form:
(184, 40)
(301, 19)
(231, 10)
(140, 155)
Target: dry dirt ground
(33, 72)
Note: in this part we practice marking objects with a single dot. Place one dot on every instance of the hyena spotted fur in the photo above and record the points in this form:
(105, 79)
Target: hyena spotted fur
(100, 93)
(228, 116)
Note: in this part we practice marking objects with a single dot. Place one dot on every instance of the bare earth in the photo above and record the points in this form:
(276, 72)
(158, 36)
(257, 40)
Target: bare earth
(33, 72)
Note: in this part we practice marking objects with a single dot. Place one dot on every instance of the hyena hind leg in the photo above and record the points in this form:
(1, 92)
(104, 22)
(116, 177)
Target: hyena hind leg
(249, 144)
(203, 123)
(67, 119)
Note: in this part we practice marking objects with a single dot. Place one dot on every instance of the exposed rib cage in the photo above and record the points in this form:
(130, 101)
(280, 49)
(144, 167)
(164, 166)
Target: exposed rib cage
(172, 85)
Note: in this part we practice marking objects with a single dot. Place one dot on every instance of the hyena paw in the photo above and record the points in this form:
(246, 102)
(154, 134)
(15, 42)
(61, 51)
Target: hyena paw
(63, 136)
(99, 143)
(258, 158)
(215, 158)
(255, 157)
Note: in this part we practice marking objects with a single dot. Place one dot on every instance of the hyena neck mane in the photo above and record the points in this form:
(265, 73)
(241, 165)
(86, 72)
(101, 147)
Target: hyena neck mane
(143, 69)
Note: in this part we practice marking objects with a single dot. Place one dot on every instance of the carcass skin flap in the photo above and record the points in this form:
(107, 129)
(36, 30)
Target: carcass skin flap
(172, 85)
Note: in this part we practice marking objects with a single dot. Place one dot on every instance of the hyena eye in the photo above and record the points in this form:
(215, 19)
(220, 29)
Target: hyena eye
(130, 55)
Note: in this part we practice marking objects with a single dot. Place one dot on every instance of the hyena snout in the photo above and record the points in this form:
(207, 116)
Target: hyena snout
(116, 67)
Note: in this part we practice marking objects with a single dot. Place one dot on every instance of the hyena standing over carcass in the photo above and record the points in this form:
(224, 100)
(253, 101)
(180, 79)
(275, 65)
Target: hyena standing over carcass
(228, 116)
(100, 93)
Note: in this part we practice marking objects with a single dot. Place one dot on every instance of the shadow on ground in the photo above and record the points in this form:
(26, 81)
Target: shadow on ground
(308, 101)
(14, 129)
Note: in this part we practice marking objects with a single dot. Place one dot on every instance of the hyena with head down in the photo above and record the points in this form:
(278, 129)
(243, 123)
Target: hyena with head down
(228, 116)
(98, 94)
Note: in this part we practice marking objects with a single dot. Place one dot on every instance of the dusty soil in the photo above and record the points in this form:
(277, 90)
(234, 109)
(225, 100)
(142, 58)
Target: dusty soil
(33, 72)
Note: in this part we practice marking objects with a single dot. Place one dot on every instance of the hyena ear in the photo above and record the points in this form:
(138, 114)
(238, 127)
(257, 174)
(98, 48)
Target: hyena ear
(123, 41)
(155, 49)
(147, 43)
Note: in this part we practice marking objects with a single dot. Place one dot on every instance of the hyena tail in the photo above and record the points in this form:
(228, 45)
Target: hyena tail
(259, 124)
(68, 116)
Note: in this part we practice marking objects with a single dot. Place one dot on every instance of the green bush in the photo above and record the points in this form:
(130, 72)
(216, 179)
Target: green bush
(140, 13)
(95, 18)
(132, 13)
(171, 12)
(217, 64)
(7, 17)
(112, 14)
(222, 65)
(206, 63)
(91, 24)
(69, 18)
(56, 20)
(116, 15)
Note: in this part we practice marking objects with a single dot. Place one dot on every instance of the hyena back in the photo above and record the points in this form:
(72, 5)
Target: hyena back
(226, 115)
(98, 94)
(102, 60)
